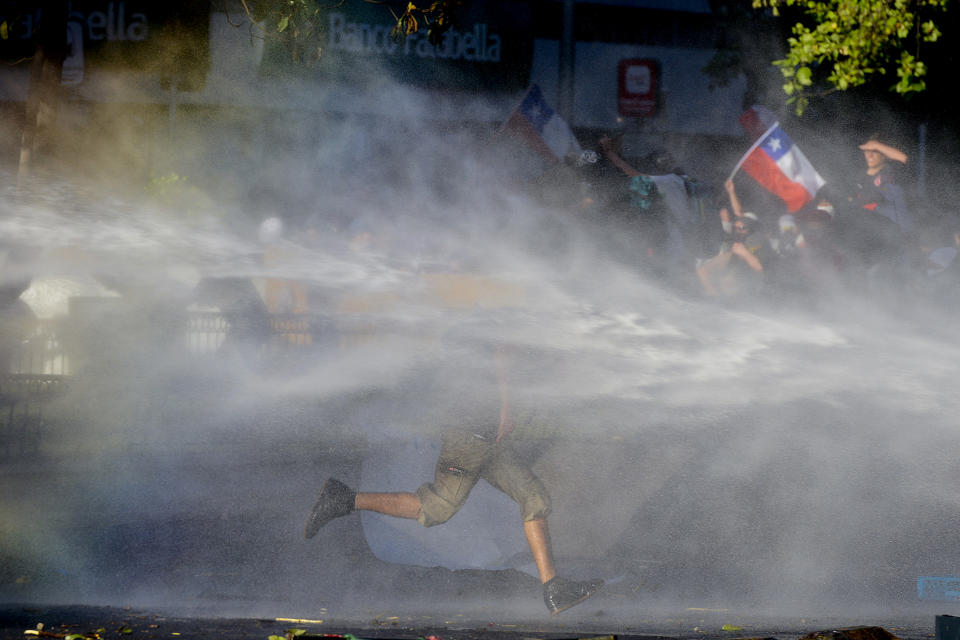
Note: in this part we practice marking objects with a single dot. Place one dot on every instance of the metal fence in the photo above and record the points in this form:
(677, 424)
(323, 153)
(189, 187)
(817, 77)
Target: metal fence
(23, 400)
(39, 351)
(210, 332)
(45, 351)
(206, 332)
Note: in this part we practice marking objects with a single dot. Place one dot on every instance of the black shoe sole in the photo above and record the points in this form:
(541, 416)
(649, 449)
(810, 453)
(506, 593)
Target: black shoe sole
(311, 530)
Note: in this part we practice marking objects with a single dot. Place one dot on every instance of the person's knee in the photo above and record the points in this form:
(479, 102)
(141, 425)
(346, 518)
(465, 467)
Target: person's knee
(435, 509)
(433, 519)
(535, 506)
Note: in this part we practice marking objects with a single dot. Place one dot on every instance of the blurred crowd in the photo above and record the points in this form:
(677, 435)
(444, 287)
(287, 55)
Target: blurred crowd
(729, 242)
(709, 240)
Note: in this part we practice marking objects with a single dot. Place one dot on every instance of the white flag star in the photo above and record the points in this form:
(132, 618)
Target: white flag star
(774, 144)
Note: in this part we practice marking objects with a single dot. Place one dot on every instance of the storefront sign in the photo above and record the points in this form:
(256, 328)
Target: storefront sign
(638, 81)
(488, 48)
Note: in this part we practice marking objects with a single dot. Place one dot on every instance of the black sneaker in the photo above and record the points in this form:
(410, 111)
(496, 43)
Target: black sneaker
(336, 499)
(560, 594)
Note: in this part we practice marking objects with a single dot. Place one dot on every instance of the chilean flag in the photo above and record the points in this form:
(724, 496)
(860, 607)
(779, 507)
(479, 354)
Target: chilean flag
(535, 122)
(781, 168)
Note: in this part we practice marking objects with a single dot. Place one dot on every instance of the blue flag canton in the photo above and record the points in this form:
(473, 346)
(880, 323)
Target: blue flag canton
(535, 109)
(777, 144)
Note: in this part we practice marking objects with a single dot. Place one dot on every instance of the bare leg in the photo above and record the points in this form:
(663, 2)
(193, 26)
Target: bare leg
(538, 537)
(399, 505)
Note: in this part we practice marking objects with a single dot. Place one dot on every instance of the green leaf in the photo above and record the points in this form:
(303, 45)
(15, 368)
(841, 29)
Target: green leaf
(282, 24)
(851, 41)
(4, 30)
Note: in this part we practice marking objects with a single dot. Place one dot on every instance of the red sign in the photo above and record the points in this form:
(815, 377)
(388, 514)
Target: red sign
(637, 88)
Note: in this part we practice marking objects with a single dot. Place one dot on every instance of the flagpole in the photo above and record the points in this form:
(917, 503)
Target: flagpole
(754, 146)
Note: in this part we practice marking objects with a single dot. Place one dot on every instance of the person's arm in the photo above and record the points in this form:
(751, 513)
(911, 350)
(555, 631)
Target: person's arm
(506, 417)
(734, 199)
(739, 249)
(606, 144)
(725, 220)
(890, 152)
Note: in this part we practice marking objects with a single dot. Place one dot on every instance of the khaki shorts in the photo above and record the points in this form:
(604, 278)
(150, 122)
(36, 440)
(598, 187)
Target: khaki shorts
(464, 459)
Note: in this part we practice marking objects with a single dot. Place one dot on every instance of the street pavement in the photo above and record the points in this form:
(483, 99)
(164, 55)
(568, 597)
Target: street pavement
(104, 623)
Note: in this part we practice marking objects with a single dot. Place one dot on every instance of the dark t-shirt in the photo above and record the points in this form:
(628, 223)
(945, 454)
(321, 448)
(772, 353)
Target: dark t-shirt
(883, 194)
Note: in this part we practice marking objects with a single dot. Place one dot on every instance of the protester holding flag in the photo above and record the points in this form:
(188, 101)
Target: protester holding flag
(745, 254)
(738, 268)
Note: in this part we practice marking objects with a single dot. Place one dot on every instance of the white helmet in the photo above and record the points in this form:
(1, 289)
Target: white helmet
(271, 230)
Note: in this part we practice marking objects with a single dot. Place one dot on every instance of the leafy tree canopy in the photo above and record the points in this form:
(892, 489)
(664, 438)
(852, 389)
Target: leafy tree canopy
(842, 44)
